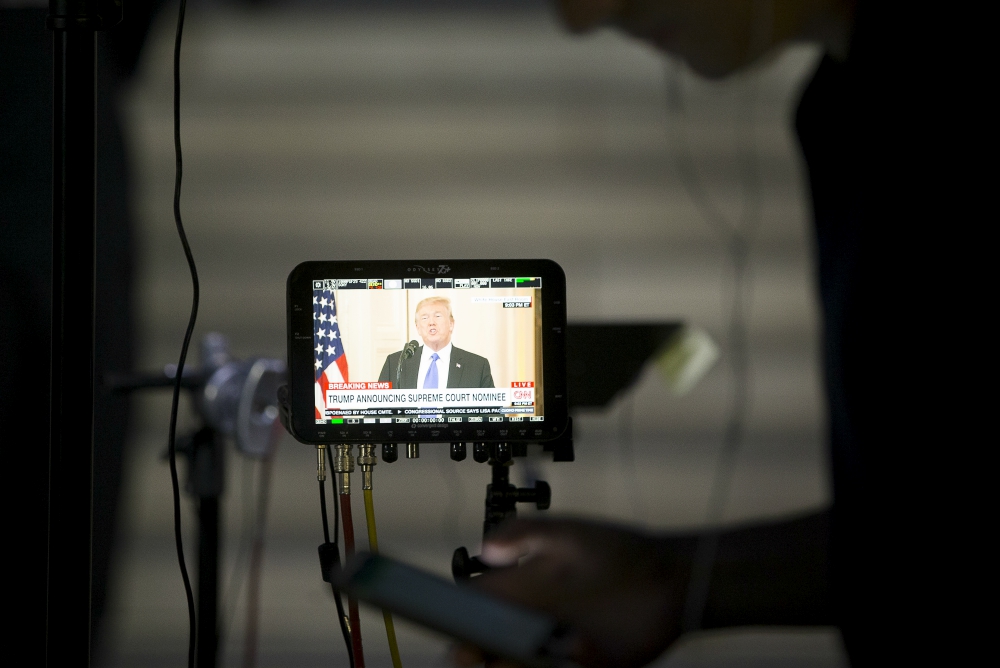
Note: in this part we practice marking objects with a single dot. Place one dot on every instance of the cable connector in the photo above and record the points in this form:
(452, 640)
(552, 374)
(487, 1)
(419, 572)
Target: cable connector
(343, 465)
(321, 462)
(367, 461)
(329, 561)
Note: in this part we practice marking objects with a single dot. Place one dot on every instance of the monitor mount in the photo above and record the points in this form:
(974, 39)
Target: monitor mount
(501, 496)
(590, 384)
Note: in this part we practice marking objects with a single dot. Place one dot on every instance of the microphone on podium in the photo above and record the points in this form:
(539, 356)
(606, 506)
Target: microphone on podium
(408, 351)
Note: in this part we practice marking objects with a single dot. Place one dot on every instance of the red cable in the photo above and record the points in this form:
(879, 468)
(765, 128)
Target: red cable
(352, 603)
(250, 639)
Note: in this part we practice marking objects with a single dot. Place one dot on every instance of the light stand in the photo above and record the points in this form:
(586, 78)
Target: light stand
(233, 398)
(71, 409)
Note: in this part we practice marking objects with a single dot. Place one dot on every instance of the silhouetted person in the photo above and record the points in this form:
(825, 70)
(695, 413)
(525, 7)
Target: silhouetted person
(877, 563)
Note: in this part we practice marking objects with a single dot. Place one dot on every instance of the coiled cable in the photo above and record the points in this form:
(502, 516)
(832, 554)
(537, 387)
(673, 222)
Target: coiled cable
(175, 400)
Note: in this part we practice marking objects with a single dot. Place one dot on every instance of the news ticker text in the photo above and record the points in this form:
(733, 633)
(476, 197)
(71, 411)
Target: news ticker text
(426, 283)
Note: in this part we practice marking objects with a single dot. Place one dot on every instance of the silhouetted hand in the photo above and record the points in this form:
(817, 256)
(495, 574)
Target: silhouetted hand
(621, 592)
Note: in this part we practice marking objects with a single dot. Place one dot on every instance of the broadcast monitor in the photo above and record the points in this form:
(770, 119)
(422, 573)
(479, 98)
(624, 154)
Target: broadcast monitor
(424, 351)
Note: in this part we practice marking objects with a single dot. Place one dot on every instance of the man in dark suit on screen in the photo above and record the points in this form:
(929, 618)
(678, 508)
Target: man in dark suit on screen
(436, 364)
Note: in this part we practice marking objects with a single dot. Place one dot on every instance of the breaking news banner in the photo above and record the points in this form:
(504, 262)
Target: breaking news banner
(520, 398)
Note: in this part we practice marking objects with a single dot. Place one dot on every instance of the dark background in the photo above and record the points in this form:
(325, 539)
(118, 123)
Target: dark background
(401, 130)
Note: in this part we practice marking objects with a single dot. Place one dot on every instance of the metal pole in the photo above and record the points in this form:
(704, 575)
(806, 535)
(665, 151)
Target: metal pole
(208, 581)
(72, 376)
(207, 473)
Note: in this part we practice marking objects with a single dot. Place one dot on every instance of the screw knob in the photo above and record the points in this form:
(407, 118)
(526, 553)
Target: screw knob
(543, 495)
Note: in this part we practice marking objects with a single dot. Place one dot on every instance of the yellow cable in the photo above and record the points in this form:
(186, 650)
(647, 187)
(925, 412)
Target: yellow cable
(390, 629)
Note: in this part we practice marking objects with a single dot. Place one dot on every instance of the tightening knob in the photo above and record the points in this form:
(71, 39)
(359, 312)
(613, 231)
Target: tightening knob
(543, 495)
(463, 566)
(540, 495)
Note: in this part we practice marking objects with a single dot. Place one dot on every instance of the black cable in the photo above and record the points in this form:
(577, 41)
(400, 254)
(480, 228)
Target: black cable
(336, 592)
(172, 437)
(322, 508)
(336, 516)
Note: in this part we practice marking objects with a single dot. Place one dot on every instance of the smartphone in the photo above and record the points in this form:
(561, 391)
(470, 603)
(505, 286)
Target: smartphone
(460, 611)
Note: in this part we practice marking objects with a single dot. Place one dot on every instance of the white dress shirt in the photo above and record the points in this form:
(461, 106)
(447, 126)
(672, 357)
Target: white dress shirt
(443, 364)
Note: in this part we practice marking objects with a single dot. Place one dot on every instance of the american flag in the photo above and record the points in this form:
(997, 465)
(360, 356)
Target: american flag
(330, 359)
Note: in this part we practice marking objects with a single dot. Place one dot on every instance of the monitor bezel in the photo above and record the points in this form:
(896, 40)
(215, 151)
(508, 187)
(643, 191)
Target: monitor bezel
(300, 353)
